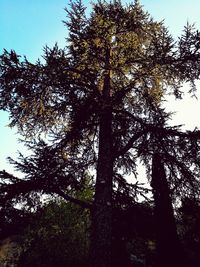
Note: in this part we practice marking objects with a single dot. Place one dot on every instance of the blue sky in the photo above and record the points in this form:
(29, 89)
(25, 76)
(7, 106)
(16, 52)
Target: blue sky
(176, 13)
(27, 25)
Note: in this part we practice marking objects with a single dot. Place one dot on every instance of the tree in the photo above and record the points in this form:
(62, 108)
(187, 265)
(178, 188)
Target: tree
(173, 153)
(94, 98)
(188, 215)
(57, 236)
(168, 245)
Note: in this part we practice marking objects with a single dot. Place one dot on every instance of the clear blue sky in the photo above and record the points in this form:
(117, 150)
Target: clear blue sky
(27, 25)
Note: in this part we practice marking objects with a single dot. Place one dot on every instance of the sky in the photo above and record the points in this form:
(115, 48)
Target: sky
(28, 25)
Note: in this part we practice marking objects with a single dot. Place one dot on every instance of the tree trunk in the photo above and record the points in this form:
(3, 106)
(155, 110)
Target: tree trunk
(101, 235)
(169, 251)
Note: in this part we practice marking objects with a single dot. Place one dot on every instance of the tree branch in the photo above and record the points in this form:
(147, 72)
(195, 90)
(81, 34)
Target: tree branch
(10, 191)
(79, 202)
(129, 145)
(159, 129)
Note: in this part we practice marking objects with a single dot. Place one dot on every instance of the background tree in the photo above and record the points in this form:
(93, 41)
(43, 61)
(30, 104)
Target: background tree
(172, 152)
(188, 219)
(57, 236)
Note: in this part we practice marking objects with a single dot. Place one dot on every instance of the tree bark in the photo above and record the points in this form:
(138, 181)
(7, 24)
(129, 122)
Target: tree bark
(169, 251)
(101, 228)
(101, 239)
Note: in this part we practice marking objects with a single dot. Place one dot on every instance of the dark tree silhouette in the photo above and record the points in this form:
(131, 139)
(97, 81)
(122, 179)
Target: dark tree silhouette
(94, 98)
(169, 249)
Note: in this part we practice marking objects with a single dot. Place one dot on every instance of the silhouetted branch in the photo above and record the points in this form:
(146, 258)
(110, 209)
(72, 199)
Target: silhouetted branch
(129, 145)
(73, 200)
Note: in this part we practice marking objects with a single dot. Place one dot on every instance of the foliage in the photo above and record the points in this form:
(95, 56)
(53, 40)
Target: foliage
(189, 230)
(58, 236)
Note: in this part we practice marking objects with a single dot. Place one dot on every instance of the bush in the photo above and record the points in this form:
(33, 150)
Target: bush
(57, 237)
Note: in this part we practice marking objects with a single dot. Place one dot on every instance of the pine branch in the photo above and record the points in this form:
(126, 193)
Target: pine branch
(170, 131)
(130, 143)
(71, 199)
(23, 187)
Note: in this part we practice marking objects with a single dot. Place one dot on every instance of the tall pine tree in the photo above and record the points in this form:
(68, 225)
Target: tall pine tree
(92, 96)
